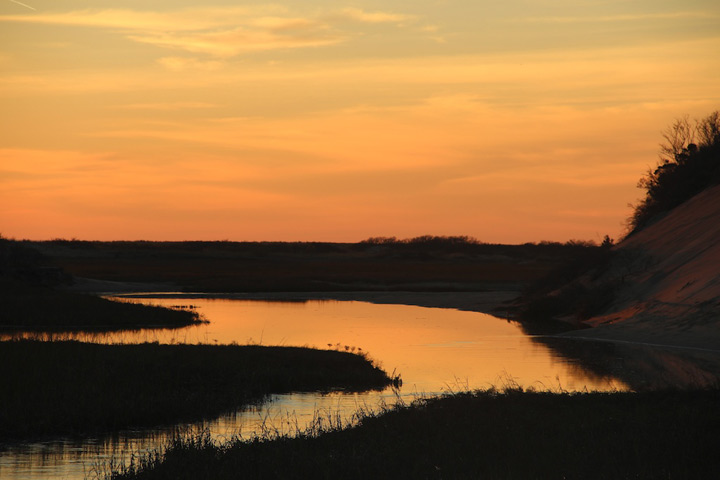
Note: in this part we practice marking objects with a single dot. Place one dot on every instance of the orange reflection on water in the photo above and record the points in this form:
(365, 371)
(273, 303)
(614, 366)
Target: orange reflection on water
(433, 349)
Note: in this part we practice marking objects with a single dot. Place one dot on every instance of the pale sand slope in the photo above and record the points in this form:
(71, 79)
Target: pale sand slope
(669, 277)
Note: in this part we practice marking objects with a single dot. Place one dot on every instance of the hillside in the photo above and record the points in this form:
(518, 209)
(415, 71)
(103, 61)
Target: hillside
(667, 280)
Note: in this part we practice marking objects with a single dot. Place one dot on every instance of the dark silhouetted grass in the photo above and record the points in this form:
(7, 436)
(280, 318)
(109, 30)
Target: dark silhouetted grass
(485, 434)
(31, 299)
(36, 307)
(68, 388)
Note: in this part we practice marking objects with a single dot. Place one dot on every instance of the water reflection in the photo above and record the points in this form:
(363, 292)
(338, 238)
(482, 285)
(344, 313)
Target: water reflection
(435, 350)
(432, 348)
(69, 458)
(640, 367)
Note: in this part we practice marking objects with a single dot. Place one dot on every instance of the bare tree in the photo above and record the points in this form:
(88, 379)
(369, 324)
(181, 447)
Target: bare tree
(677, 137)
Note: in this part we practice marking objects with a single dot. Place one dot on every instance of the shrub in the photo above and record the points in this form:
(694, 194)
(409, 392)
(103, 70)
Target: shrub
(689, 163)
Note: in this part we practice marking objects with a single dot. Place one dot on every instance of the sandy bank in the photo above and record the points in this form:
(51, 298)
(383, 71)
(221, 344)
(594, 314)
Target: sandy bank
(667, 281)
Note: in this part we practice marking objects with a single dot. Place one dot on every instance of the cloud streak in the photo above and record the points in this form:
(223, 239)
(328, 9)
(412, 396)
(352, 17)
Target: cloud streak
(362, 16)
(229, 43)
(24, 5)
(222, 32)
(134, 20)
(619, 18)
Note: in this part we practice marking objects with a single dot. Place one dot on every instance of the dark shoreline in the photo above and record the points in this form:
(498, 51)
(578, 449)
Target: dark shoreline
(491, 302)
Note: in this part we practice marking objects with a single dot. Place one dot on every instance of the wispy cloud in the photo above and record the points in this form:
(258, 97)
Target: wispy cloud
(24, 5)
(178, 20)
(228, 43)
(167, 106)
(359, 15)
(180, 64)
(222, 32)
(619, 17)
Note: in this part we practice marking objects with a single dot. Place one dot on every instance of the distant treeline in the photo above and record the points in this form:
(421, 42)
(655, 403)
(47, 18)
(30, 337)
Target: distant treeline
(463, 240)
(424, 242)
(422, 248)
(466, 244)
(427, 263)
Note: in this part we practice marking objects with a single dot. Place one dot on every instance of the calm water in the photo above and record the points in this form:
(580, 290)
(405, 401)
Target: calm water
(435, 350)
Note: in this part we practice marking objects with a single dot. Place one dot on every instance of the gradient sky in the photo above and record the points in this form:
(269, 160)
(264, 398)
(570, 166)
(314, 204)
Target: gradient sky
(508, 121)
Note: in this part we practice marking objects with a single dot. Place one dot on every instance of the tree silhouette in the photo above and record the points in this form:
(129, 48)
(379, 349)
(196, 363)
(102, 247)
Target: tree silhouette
(689, 163)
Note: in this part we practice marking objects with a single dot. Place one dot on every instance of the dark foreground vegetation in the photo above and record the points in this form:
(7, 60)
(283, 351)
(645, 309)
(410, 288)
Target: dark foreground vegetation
(73, 388)
(484, 434)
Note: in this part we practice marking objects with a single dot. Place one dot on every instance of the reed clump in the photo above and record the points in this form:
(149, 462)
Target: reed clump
(483, 434)
(43, 308)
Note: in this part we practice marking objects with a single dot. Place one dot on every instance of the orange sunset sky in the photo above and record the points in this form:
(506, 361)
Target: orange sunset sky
(511, 121)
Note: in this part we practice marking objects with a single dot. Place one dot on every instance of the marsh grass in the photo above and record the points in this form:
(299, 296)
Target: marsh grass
(483, 434)
(32, 298)
(41, 308)
(74, 388)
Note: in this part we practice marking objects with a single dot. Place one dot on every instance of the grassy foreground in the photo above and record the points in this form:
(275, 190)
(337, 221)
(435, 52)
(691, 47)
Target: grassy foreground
(484, 434)
(67, 388)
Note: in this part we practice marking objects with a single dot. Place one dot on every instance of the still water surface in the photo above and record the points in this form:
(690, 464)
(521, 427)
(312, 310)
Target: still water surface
(435, 350)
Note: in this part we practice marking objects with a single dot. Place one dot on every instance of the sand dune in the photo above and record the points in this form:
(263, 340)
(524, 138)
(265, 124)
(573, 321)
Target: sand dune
(669, 280)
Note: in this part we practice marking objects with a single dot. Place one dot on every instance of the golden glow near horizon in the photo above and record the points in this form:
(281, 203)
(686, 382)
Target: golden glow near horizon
(513, 122)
